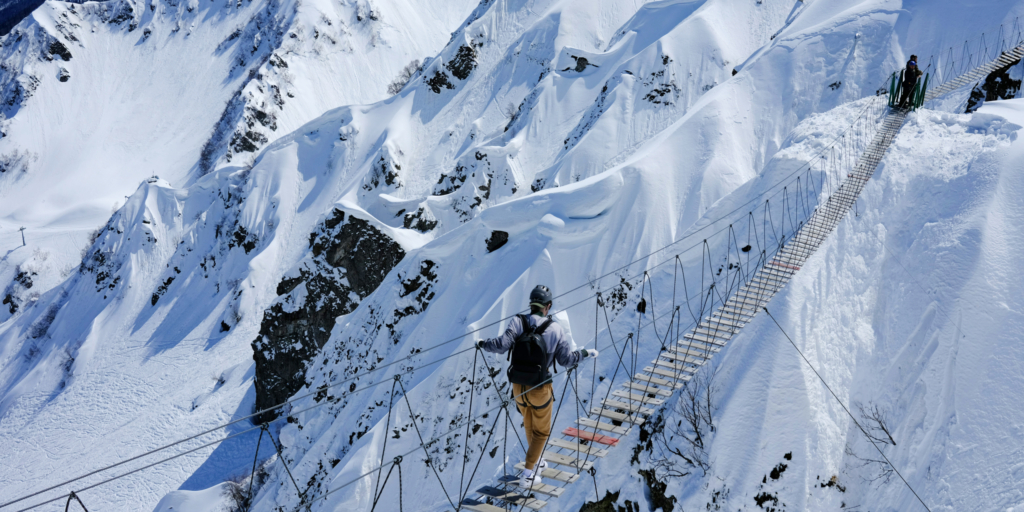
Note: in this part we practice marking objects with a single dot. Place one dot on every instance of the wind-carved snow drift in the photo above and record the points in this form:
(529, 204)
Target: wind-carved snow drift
(201, 85)
(546, 142)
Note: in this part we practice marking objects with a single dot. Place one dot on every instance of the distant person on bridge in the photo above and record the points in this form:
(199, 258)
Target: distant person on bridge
(910, 77)
(535, 342)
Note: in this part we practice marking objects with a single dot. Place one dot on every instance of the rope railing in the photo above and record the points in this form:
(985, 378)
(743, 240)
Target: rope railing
(971, 61)
(955, 61)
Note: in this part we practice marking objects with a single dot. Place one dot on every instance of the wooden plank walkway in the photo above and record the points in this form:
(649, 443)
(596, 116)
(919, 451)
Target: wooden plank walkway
(593, 437)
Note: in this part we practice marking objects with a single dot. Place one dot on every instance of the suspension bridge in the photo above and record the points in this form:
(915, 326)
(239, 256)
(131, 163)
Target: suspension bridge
(813, 208)
(679, 361)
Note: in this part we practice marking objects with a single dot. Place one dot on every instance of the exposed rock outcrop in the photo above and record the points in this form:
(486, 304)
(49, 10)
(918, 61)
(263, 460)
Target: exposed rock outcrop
(496, 240)
(998, 85)
(385, 173)
(475, 177)
(349, 259)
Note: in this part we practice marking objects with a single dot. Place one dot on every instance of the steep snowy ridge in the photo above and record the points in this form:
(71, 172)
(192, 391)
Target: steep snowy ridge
(313, 60)
(109, 94)
(333, 445)
(546, 141)
(144, 94)
(374, 322)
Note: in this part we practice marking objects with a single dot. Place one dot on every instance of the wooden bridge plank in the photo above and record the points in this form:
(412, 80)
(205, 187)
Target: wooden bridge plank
(720, 315)
(647, 387)
(627, 406)
(712, 330)
(608, 427)
(666, 373)
(787, 276)
(686, 368)
(685, 350)
(617, 416)
(727, 323)
(766, 282)
(698, 345)
(554, 474)
(639, 398)
(662, 382)
(593, 437)
(755, 296)
(542, 488)
(479, 506)
(565, 460)
(578, 447)
(716, 340)
(736, 307)
(716, 326)
(512, 497)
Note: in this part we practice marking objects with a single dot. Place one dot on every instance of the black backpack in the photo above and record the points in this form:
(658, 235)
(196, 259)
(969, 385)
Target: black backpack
(529, 355)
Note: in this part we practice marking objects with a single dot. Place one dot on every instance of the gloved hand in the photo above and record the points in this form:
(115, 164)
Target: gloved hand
(480, 344)
(589, 352)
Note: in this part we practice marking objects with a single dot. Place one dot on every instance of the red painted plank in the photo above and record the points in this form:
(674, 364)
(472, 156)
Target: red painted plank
(591, 436)
(784, 265)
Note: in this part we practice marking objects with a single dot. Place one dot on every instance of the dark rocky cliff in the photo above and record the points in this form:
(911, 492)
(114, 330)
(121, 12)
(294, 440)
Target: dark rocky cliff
(349, 259)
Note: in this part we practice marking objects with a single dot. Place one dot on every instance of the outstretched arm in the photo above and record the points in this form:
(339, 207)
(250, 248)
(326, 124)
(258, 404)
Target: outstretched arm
(503, 343)
(569, 358)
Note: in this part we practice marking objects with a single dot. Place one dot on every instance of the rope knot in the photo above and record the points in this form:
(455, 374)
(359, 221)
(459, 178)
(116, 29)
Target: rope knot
(398, 460)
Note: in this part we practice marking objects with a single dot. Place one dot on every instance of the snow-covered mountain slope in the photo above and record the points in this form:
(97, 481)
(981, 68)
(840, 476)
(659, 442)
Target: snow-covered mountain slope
(903, 309)
(105, 95)
(548, 141)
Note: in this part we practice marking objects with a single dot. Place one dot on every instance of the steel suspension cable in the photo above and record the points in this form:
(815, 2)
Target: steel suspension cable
(854, 419)
(412, 414)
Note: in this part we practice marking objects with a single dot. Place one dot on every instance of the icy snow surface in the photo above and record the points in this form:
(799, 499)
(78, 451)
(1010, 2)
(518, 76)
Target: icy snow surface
(120, 346)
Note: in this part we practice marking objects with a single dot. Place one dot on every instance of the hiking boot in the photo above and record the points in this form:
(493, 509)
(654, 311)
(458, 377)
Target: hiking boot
(530, 479)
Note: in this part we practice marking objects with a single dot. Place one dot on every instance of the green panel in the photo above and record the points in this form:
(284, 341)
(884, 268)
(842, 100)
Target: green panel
(924, 90)
(892, 89)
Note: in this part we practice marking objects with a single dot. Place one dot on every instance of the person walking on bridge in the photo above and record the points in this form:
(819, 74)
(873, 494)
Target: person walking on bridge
(534, 342)
(910, 77)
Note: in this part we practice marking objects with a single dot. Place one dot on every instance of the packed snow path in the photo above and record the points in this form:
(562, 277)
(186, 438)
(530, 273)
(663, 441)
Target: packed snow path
(677, 364)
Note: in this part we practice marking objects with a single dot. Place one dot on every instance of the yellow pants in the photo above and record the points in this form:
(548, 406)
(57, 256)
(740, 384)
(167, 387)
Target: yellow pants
(535, 406)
